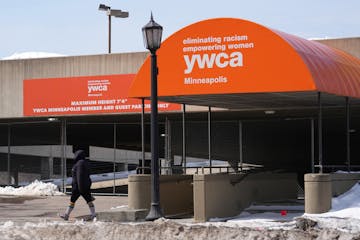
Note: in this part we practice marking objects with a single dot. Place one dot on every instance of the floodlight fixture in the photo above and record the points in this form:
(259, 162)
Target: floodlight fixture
(103, 7)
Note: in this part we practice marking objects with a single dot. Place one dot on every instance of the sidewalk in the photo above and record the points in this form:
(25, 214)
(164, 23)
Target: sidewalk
(25, 218)
(19, 209)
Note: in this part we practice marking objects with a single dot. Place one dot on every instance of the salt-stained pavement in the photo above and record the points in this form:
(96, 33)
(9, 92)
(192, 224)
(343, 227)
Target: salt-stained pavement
(39, 208)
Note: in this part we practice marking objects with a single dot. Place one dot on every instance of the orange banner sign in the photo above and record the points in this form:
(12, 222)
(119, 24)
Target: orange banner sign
(83, 95)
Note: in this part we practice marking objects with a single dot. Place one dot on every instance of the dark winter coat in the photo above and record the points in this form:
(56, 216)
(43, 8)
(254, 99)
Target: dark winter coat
(81, 173)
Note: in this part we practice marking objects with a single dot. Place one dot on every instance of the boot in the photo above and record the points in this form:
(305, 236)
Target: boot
(92, 210)
(69, 209)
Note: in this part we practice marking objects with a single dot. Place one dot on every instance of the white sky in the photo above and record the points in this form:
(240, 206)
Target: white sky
(77, 27)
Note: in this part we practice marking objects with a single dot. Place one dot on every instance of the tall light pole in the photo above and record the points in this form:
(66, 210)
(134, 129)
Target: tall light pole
(152, 33)
(115, 13)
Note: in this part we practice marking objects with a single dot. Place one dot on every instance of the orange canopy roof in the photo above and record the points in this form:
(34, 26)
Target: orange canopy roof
(233, 56)
(333, 71)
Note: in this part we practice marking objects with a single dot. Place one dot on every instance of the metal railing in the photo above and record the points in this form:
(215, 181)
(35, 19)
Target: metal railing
(198, 169)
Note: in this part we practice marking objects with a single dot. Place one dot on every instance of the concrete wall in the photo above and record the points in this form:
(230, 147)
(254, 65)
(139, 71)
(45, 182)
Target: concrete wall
(224, 195)
(349, 45)
(176, 193)
(13, 72)
(342, 182)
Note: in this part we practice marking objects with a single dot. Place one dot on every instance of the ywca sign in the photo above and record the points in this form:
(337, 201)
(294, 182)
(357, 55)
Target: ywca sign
(96, 87)
(223, 56)
(199, 52)
(83, 95)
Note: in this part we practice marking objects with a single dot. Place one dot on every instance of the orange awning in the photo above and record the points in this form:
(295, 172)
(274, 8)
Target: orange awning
(332, 70)
(219, 59)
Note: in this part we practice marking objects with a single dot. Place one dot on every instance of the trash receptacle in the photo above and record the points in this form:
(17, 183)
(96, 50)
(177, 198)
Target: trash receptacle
(318, 193)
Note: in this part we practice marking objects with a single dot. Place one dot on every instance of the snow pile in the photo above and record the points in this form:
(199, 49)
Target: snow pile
(344, 214)
(36, 188)
(119, 207)
(27, 55)
(346, 205)
(271, 220)
(159, 229)
(264, 216)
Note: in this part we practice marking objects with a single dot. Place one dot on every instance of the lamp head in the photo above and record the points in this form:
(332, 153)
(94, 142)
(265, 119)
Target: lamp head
(118, 13)
(152, 33)
(103, 7)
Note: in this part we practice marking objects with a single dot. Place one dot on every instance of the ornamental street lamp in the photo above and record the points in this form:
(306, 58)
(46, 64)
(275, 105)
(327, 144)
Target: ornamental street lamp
(115, 13)
(152, 33)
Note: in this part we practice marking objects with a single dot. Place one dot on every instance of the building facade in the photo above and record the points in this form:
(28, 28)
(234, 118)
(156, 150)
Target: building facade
(49, 107)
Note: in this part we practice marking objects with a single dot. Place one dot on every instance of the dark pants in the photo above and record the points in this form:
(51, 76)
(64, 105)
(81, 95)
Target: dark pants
(75, 194)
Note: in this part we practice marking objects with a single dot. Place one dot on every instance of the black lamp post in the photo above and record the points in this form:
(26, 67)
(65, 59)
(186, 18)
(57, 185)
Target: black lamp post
(152, 33)
(115, 13)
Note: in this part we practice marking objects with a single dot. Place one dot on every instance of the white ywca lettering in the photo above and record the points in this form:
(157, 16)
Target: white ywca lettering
(221, 60)
(97, 88)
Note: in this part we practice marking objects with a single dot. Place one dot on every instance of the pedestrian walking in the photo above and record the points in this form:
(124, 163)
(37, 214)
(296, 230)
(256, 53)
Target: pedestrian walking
(81, 184)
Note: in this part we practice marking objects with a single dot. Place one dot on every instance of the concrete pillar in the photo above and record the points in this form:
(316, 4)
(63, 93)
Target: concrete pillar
(139, 191)
(45, 168)
(51, 167)
(176, 193)
(318, 192)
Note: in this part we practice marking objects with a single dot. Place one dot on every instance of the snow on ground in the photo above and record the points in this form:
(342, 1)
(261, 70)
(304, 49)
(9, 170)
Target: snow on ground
(27, 55)
(257, 221)
(120, 207)
(263, 216)
(272, 220)
(36, 188)
(159, 229)
(342, 222)
(344, 214)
